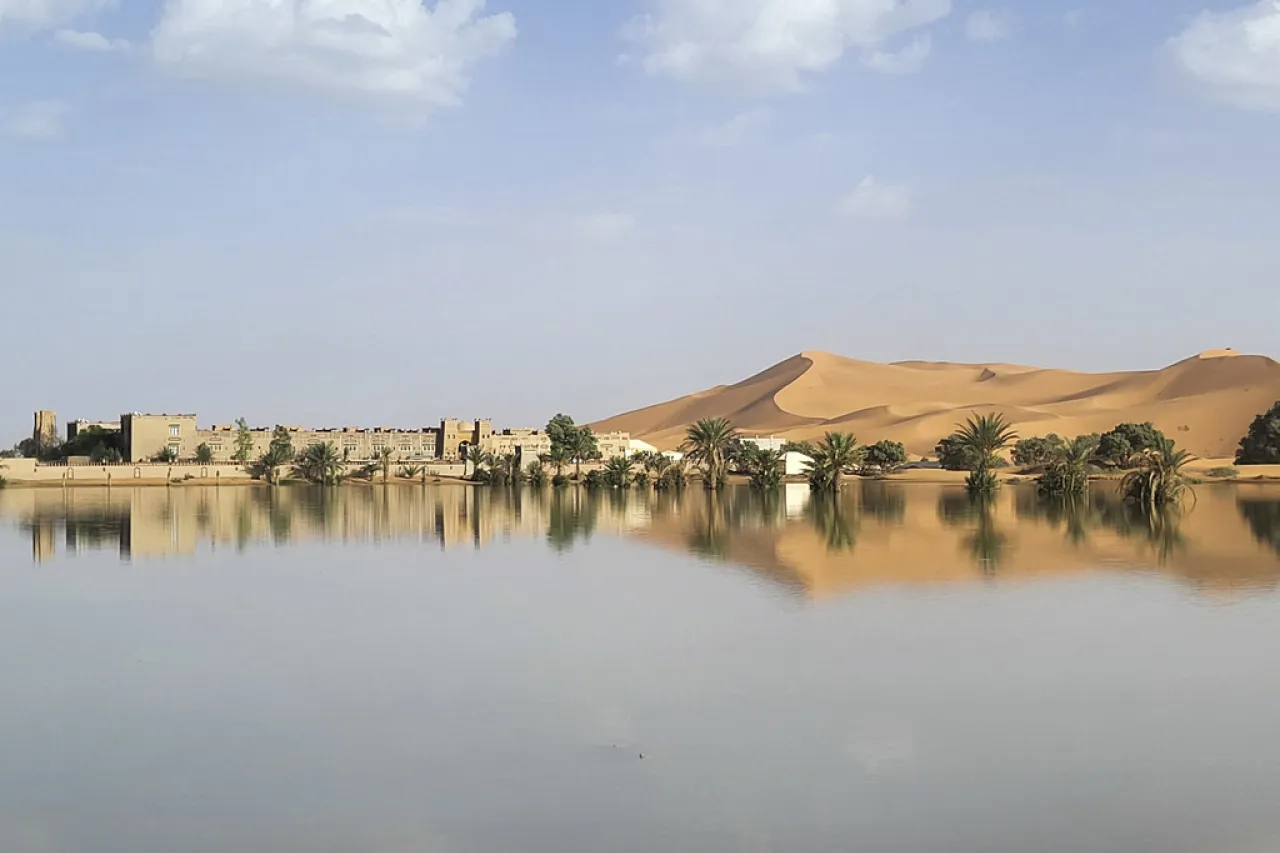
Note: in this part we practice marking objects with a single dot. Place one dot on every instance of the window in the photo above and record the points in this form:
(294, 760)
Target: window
(175, 449)
(174, 430)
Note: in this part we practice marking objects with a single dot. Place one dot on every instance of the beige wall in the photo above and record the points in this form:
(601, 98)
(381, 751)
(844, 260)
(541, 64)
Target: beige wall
(353, 444)
(29, 471)
(144, 436)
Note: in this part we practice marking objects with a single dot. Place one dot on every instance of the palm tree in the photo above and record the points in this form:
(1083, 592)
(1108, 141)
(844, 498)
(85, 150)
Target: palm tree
(583, 448)
(1067, 474)
(837, 452)
(617, 472)
(982, 437)
(382, 456)
(1158, 480)
(320, 464)
(477, 456)
(537, 474)
(558, 458)
(708, 443)
(764, 467)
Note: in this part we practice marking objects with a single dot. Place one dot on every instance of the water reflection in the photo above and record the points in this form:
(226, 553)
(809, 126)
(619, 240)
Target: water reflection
(874, 533)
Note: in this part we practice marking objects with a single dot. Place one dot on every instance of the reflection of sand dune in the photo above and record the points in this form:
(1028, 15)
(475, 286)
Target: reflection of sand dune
(1207, 402)
(896, 534)
(878, 534)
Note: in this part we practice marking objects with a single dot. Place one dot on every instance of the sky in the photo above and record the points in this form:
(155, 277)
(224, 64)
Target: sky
(385, 212)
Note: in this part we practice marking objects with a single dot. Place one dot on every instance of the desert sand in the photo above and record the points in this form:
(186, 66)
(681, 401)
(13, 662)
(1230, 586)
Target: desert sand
(1205, 403)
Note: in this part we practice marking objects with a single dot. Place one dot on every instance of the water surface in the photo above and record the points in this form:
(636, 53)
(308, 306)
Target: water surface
(418, 669)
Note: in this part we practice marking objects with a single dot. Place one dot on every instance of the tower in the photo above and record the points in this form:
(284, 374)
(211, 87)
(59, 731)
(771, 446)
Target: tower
(45, 431)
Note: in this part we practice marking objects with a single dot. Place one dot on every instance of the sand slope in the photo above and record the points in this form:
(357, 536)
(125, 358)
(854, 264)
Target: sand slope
(1205, 402)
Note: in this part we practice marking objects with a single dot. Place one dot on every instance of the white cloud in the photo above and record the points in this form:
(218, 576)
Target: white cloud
(733, 131)
(43, 14)
(604, 227)
(40, 121)
(1235, 55)
(908, 60)
(395, 48)
(768, 45)
(987, 25)
(90, 41)
(873, 200)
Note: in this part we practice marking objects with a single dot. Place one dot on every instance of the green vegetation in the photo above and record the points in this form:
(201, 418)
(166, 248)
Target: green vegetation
(836, 454)
(980, 439)
(382, 457)
(412, 472)
(952, 454)
(537, 475)
(475, 455)
(320, 464)
(1039, 451)
(885, 457)
(617, 473)
(1261, 445)
(576, 444)
(244, 442)
(1157, 480)
(204, 454)
(1225, 472)
(166, 456)
(1124, 446)
(765, 468)
(708, 444)
(1066, 472)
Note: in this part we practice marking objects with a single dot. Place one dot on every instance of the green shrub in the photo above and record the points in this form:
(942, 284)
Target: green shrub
(1225, 472)
(1033, 452)
(952, 454)
(1122, 446)
(1261, 445)
(559, 481)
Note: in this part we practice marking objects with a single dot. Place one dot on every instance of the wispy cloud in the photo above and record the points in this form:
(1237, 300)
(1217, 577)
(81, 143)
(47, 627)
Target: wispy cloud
(871, 200)
(769, 45)
(988, 25)
(90, 41)
(908, 60)
(734, 131)
(1234, 56)
(45, 14)
(394, 49)
(41, 121)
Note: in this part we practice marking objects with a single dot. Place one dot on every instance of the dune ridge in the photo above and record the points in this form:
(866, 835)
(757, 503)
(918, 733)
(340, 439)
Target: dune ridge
(1205, 402)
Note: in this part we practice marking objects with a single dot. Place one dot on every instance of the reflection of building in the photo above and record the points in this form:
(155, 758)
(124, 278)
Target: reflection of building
(875, 534)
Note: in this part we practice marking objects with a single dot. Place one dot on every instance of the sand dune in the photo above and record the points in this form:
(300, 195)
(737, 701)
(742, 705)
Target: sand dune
(1205, 402)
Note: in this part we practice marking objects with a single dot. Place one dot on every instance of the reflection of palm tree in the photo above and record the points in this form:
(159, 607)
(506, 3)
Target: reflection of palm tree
(986, 544)
(1263, 517)
(1161, 527)
(710, 536)
(837, 528)
(571, 516)
(885, 502)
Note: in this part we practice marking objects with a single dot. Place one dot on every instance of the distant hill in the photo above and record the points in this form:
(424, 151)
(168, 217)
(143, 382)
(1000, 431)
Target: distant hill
(1205, 403)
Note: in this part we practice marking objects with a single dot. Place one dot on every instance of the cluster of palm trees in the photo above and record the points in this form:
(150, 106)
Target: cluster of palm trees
(1158, 478)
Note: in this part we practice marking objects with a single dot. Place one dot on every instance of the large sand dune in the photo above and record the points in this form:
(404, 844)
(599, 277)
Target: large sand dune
(1205, 402)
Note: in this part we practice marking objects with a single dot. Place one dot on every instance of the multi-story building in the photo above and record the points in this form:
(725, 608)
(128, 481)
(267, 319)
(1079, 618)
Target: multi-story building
(146, 436)
(74, 428)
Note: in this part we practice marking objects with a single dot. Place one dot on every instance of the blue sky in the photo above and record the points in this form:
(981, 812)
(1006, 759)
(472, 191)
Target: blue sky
(384, 211)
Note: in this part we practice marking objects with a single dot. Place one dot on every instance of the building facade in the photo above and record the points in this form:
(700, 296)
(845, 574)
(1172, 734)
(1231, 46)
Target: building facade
(147, 436)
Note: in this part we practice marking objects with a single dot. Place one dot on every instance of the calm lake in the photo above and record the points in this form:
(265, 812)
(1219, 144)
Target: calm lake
(454, 670)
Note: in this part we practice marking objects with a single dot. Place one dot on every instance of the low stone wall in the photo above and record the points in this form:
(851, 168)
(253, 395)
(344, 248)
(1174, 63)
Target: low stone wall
(29, 472)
